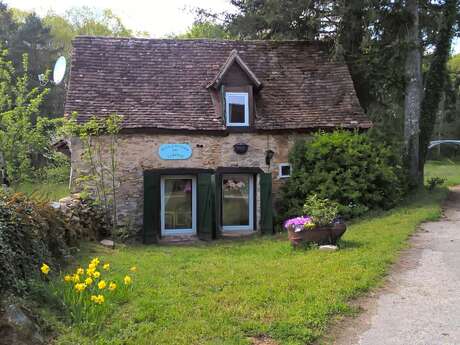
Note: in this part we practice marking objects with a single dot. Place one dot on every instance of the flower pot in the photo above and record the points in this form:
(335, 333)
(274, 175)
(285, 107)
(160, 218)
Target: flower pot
(320, 235)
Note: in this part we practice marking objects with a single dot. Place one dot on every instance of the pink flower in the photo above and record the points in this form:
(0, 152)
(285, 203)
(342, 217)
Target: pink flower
(298, 223)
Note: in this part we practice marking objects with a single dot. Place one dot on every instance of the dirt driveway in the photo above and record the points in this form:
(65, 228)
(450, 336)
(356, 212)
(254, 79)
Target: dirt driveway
(420, 303)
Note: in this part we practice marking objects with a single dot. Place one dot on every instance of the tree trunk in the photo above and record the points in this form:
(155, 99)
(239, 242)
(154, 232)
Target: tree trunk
(351, 33)
(413, 96)
(436, 77)
(441, 116)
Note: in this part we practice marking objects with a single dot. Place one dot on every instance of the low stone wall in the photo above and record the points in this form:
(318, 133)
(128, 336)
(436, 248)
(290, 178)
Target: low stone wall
(86, 219)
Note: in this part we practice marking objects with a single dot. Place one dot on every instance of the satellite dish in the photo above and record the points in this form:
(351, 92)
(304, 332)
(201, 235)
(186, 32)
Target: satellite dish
(59, 70)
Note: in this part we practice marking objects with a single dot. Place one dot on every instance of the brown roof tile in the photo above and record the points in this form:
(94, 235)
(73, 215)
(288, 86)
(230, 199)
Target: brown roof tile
(162, 83)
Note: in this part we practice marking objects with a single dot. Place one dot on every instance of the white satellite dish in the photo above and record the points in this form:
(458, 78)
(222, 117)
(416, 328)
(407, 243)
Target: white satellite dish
(59, 70)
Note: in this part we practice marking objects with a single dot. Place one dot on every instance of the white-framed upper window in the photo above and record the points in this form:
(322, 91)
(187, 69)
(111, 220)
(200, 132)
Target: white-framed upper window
(237, 109)
(284, 170)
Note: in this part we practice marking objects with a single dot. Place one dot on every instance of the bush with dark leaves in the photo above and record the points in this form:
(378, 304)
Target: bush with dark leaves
(347, 168)
(31, 232)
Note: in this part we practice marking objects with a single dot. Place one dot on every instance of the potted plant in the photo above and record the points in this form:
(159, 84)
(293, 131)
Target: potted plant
(320, 225)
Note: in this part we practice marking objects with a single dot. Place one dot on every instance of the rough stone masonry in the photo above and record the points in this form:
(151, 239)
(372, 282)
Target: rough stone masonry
(139, 152)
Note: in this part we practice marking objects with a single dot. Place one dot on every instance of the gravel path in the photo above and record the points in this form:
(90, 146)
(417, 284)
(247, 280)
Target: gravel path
(420, 304)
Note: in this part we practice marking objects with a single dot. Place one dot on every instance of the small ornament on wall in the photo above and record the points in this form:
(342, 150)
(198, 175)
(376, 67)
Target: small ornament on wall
(240, 148)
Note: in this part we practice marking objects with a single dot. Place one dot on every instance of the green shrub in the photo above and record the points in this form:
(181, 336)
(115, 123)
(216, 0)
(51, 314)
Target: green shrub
(31, 233)
(433, 182)
(57, 170)
(321, 211)
(345, 167)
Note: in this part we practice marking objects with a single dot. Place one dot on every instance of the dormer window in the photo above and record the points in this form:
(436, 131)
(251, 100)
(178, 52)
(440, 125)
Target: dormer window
(237, 109)
(233, 92)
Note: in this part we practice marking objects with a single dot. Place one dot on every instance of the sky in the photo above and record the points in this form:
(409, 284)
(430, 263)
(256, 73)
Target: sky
(158, 17)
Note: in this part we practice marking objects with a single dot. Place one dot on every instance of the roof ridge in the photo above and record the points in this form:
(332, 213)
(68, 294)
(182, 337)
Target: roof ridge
(151, 39)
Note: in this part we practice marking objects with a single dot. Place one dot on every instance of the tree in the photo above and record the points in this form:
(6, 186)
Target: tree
(205, 29)
(85, 21)
(292, 19)
(413, 98)
(34, 39)
(62, 32)
(436, 78)
(350, 37)
(7, 25)
(92, 22)
(23, 132)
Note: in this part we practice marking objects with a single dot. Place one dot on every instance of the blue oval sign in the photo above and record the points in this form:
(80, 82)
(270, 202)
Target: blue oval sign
(175, 151)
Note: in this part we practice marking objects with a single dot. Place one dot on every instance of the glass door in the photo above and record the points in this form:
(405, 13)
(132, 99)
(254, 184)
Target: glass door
(237, 202)
(178, 205)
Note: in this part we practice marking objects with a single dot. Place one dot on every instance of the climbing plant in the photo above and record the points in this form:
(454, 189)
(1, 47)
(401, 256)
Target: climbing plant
(99, 140)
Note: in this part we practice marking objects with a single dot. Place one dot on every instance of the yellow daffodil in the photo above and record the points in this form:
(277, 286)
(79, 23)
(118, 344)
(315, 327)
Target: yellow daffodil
(101, 285)
(90, 272)
(45, 269)
(92, 267)
(80, 271)
(96, 274)
(95, 261)
(106, 267)
(75, 278)
(99, 299)
(88, 281)
(133, 269)
(80, 287)
(68, 278)
(127, 280)
(112, 286)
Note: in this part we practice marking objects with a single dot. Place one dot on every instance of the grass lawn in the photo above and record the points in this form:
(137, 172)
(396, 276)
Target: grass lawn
(226, 292)
(49, 191)
(448, 169)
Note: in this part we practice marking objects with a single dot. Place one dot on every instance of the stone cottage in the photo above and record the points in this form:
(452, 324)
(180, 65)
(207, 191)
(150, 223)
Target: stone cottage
(207, 125)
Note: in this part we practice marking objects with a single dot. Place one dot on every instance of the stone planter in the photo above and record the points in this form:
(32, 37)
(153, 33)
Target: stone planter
(320, 235)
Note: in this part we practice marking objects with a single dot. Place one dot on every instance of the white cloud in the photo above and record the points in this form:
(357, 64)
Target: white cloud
(158, 17)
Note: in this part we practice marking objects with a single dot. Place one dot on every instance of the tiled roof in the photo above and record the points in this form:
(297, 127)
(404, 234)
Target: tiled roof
(163, 83)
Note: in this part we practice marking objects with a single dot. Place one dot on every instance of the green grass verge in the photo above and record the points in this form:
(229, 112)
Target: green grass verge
(448, 169)
(44, 191)
(226, 291)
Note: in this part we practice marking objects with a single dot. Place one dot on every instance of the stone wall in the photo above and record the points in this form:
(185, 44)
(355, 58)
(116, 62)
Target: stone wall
(139, 152)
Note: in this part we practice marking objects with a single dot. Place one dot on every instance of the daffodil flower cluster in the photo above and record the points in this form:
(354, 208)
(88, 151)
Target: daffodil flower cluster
(87, 290)
(91, 279)
(84, 279)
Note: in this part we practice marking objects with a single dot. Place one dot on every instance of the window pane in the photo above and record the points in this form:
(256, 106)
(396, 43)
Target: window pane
(285, 170)
(235, 200)
(236, 99)
(237, 108)
(237, 113)
(178, 203)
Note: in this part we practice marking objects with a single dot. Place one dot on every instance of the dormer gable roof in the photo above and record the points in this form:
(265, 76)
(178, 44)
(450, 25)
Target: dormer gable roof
(234, 58)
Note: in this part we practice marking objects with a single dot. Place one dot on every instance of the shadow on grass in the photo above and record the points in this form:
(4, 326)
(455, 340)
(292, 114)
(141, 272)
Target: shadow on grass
(349, 244)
